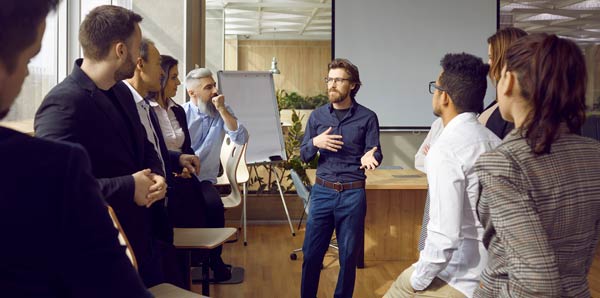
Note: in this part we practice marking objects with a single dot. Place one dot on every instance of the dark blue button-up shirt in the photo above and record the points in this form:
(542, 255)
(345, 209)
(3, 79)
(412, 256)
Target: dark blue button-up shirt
(360, 133)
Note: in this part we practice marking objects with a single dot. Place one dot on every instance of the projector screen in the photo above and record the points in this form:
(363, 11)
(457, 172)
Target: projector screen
(397, 46)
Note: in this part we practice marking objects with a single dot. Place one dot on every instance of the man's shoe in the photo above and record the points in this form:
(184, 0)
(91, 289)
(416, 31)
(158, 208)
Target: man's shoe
(221, 272)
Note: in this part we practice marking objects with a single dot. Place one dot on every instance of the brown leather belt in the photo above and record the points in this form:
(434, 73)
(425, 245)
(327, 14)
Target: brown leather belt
(338, 186)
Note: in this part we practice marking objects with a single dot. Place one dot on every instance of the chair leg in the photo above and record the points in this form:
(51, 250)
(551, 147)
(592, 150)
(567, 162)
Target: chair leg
(205, 277)
(188, 266)
(301, 218)
(283, 201)
(244, 213)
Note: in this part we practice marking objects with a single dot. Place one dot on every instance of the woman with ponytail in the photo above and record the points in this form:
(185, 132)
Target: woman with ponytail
(540, 196)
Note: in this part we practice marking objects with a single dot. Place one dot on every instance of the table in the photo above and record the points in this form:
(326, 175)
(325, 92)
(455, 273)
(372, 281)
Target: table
(395, 203)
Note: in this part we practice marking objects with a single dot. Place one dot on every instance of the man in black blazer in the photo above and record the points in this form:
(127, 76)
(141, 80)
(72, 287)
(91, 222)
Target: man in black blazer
(59, 239)
(93, 108)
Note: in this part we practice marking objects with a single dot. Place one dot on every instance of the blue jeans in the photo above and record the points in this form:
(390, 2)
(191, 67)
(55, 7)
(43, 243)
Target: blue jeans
(345, 211)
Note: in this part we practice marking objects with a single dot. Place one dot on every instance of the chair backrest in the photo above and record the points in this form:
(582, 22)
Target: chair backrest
(122, 238)
(234, 154)
(242, 171)
(591, 127)
(301, 189)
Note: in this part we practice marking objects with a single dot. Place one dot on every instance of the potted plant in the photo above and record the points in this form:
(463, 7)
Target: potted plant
(301, 104)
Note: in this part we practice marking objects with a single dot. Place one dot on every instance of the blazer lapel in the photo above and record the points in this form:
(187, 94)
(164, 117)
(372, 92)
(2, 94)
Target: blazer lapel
(138, 132)
(114, 119)
(181, 118)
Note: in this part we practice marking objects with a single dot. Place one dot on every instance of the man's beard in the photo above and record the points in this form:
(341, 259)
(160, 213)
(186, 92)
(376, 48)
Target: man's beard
(208, 107)
(126, 71)
(336, 99)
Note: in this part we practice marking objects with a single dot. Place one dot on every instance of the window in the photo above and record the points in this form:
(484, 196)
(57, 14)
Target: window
(43, 75)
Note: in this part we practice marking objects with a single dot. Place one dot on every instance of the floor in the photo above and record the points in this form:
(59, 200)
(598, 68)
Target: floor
(271, 273)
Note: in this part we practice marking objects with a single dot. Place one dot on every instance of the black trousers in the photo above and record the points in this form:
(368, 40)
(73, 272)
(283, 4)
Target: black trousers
(215, 213)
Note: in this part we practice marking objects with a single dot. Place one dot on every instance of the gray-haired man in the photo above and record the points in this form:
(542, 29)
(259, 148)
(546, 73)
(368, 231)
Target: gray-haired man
(208, 120)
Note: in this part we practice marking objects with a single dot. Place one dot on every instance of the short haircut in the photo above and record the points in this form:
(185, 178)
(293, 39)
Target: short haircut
(166, 63)
(145, 48)
(196, 74)
(19, 22)
(351, 71)
(464, 79)
(552, 75)
(499, 43)
(104, 26)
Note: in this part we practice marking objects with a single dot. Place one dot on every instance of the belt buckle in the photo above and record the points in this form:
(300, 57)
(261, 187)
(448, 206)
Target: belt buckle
(340, 188)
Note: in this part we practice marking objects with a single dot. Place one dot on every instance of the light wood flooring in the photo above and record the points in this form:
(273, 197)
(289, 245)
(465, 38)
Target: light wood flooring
(271, 273)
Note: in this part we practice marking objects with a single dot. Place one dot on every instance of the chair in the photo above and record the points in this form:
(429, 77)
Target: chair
(304, 193)
(163, 290)
(203, 240)
(591, 127)
(233, 158)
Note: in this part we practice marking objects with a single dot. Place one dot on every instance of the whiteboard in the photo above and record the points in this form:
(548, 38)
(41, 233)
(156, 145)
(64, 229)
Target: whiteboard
(251, 95)
(397, 46)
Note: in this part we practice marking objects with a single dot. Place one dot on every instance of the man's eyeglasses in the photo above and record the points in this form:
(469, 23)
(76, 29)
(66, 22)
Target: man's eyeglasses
(329, 80)
(433, 86)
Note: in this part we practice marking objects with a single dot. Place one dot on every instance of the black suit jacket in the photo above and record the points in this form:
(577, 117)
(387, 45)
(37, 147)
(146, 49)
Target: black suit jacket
(181, 118)
(77, 111)
(58, 238)
(186, 204)
(497, 124)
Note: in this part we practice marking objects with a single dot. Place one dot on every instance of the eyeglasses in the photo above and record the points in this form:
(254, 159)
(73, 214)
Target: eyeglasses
(433, 86)
(329, 80)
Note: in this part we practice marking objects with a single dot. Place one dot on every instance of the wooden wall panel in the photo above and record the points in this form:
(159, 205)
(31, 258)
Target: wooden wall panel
(303, 64)
(231, 57)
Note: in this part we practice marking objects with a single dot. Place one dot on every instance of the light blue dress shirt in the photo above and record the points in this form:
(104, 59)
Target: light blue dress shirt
(207, 135)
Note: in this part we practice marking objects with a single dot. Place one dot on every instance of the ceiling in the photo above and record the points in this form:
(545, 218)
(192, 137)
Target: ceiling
(276, 19)
(311, 19)
(578, 20)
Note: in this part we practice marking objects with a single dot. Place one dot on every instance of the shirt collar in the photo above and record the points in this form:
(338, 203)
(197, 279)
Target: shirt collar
(81, 77)
(137, 98)
(153, 103)
(518, 134)
(460, 119)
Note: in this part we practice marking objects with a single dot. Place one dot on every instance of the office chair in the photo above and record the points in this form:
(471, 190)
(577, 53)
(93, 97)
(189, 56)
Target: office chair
(591, 127)
(304, 194)
(232, 151)
(164, 290)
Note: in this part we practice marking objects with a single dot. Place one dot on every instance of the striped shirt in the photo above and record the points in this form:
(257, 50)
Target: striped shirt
(541, 216)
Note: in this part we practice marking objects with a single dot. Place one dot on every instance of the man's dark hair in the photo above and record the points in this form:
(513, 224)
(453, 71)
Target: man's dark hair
(464, 79)
(19, 22)
(104, 26)
(144, 48)
(350, 69)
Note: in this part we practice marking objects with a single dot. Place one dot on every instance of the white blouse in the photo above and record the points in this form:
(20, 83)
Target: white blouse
(171, 130)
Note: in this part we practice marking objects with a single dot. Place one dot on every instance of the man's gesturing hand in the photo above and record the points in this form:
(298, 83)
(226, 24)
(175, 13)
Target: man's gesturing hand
(327, 141)
(368, 161)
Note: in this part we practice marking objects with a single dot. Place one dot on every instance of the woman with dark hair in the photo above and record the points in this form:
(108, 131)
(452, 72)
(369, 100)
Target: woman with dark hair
(497, 46)
(188, 207)
(540, 196)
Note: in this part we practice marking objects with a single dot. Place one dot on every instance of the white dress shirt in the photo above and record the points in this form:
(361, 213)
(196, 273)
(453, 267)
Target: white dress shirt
(143, 110)
(453, 249)
(171, 130)
(434, 132)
